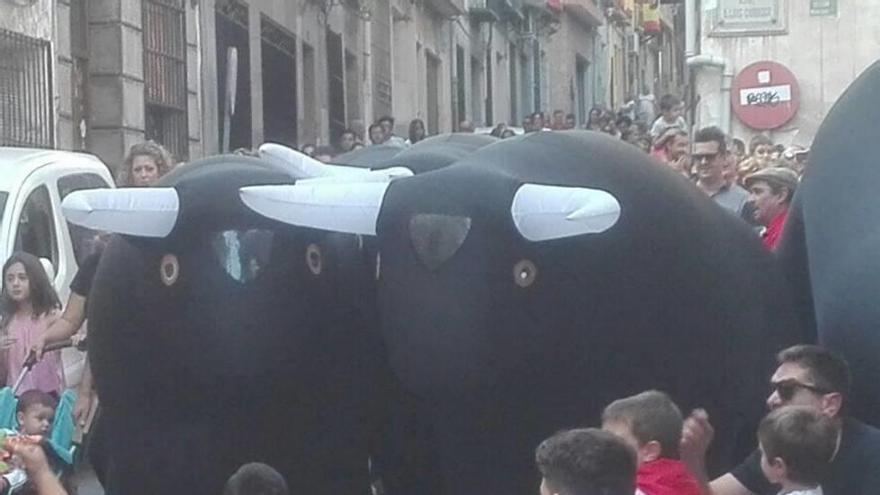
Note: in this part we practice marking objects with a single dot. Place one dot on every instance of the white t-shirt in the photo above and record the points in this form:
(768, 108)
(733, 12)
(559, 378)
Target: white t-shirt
(809, 491)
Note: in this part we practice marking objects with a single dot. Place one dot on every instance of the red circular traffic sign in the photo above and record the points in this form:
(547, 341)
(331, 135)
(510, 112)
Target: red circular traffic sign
(765, 95)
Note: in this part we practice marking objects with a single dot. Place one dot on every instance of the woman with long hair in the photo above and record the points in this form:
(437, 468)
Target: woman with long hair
(28, 305)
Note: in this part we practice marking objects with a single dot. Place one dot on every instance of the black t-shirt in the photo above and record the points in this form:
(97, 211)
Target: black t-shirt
(854, 471)
(82, 281)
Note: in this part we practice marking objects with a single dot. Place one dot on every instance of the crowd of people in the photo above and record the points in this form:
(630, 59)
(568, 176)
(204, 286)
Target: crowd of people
(807, 444)
(755, 183)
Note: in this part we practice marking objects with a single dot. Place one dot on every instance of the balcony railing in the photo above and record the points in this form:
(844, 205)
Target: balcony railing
(585, 10)
(447, 8)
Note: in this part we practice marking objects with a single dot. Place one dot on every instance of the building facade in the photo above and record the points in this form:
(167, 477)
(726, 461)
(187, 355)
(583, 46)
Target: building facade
(203, 76)
(825, 44)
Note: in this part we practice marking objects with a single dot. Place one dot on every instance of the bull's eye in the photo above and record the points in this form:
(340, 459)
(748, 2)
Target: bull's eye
(169, 269)
(314, 259)
(524, 273)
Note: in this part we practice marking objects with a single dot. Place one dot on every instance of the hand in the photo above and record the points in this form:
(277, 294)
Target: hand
(683, 164)
(81, 408)
(6, 342)
(696, 436)
(37, 466)
(38, 346)
(77, 338)
(30, 453)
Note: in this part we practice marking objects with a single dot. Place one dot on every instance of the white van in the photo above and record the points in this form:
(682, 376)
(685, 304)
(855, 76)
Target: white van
(32, 184)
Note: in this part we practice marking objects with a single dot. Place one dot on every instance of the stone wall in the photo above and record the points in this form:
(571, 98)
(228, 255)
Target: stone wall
(825, 54)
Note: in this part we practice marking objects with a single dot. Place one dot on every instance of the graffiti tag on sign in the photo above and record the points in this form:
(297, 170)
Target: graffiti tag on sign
(765, 96)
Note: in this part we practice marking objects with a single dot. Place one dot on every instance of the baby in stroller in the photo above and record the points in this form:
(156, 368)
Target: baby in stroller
(35, 416)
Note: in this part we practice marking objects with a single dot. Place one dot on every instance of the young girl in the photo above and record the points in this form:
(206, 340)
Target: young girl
(28, 305)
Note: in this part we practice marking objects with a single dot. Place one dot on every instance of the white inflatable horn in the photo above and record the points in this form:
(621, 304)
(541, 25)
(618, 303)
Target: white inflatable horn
(139, 211)
(543, 213)
(301, 166)
(351, 208)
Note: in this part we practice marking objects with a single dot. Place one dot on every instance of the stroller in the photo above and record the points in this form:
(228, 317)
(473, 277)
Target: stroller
(59, 446)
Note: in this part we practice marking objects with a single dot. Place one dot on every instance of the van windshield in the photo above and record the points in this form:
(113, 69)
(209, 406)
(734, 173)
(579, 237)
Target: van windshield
(3, 196)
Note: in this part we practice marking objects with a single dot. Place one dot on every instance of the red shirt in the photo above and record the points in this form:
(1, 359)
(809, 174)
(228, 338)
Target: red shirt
(666, 477)
(774, 230)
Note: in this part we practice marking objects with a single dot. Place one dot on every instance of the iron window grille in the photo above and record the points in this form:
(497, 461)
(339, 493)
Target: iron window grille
(27, 116)
(165, 75)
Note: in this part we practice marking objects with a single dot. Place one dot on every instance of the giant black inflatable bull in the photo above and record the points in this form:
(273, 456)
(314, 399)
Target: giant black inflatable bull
(219, 337)
(832, 238)
(523, 288)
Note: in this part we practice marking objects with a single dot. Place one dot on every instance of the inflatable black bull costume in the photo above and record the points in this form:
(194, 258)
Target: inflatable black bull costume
(832, 239)
(526, 286)
(219, 337)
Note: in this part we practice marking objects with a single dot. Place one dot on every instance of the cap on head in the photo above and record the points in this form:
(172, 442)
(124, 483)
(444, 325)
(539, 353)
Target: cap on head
(775, 176)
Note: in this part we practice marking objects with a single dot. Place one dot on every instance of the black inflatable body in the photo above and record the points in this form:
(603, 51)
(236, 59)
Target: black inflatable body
(506, 340)
(230, 340)
(368, 156)
(832, 238)
(426, 155)
(441, 151)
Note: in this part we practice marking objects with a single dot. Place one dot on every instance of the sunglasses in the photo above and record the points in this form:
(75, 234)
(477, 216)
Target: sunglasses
(708, 157)
(787, 388)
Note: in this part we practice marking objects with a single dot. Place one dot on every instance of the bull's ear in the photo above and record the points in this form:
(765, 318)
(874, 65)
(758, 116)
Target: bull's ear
(301, 166)
(141, 211)
(542, 212)
(347, 207)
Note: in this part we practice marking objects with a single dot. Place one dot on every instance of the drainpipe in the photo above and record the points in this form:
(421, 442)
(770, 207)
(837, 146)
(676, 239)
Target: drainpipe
(690, 28)
(726, 68)
(695, 61)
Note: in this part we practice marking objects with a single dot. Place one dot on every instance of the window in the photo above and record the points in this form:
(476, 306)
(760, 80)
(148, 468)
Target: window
(432, 78)
(81, 237)
(26, 113)
(279, 84)
(381, 55)
(3, 197)
(165, 75)
(36, 229)
(79, 74)
(335, 85)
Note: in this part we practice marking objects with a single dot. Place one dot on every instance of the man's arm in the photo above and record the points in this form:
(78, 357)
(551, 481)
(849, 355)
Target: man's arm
(63, 328)
(696, 436)
(727, 484)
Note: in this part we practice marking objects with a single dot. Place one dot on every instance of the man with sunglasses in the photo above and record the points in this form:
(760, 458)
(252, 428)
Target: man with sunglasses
(710, 164)
(807, 375)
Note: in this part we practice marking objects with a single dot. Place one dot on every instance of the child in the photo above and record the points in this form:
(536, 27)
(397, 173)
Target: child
(671, 110)
(28, 305)
(585, 461)
(35, 413)
(651, 424)
(797, 444)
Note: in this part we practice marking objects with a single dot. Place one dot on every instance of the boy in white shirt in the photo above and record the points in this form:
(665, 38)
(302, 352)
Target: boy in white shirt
(797, 444)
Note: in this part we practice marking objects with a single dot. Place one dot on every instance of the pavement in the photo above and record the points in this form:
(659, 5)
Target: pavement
(85, 481)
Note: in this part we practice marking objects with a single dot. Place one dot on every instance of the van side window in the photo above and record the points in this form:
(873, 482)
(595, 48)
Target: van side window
(81, 237)
(36, 229)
